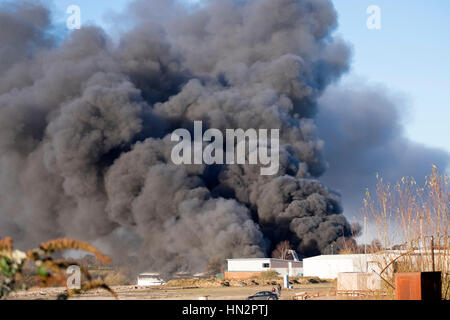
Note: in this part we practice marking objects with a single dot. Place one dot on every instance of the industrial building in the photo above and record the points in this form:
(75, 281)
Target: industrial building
(328, 266)
(247, 268)
(353, 271)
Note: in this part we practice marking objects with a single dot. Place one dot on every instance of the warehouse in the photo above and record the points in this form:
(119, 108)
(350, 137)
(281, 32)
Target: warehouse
(328, 266)
(247, 268)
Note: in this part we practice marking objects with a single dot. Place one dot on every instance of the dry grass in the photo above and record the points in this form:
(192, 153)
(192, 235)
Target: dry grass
(6, 244)
(177, 293)
(415, 220)
(70, 244)
(270, 275)
(116, 278)
(37, 267)
(269, 279)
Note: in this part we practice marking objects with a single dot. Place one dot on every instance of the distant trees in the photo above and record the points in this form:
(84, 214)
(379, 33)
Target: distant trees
(375, 246)
(214, 267)
(282, 251)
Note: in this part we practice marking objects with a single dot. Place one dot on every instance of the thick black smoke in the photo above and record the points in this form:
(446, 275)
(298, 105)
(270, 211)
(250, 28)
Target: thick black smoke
(363, 128)
(85, 130)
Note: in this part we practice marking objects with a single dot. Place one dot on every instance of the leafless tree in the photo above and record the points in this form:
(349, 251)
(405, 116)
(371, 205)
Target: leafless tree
(282, 250)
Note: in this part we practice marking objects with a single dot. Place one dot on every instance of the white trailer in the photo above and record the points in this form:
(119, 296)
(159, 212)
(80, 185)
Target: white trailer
(149, 279)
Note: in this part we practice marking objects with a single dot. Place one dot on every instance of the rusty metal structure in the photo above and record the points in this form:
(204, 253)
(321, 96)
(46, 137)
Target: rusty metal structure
(418, 286)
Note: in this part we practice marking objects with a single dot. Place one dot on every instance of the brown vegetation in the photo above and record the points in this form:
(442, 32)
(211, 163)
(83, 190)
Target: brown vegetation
(267, 278)
(36, 267)
(414, 219)
(282, 251)
(214, 267)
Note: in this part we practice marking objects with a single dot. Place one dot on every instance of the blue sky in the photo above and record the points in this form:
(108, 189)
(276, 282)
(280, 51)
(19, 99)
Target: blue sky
(410, 54)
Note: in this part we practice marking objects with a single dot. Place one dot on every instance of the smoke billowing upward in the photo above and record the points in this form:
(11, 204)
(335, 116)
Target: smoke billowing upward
(364, 134)
(85, 130)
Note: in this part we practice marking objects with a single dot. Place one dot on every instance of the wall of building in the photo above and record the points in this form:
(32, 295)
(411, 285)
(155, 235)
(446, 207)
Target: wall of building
(292, 268)
(328, 266)
(276, 264)
(241, 275)
(294, 272)
(287, 267)
(358, 281)
(249, 265)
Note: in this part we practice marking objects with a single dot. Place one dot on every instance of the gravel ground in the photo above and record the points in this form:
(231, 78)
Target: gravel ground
(171, 293)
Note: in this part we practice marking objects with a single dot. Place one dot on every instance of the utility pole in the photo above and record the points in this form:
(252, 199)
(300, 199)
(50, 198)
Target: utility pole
(433, 266)
(365, 235)
(432, 252)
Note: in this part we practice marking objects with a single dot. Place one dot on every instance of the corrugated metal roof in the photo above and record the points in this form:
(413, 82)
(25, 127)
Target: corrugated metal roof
(261, 259)
(338, 256)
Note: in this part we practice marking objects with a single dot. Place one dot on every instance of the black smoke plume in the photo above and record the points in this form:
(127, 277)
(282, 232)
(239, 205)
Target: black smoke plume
(85, 130)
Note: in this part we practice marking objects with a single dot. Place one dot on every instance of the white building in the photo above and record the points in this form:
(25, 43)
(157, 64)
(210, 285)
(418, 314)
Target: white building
(328, 266)
(242, 268)
(149, 279)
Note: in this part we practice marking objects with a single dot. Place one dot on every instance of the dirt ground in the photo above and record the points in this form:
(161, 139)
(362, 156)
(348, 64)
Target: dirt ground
(173, 293)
